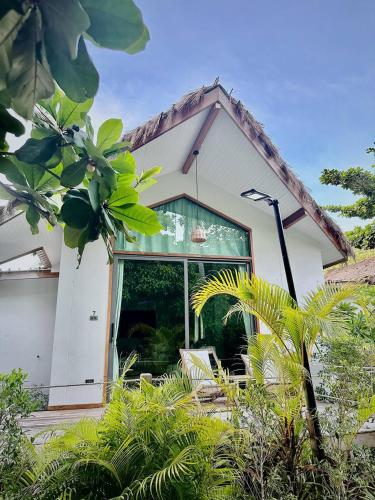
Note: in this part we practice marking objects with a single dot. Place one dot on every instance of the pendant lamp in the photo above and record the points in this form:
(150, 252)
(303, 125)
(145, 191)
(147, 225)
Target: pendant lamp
(198, 234)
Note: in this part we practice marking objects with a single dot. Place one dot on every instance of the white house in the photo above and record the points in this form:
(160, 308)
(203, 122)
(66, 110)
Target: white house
(66, 326)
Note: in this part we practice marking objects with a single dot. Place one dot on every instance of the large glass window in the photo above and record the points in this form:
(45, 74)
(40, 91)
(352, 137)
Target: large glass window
(230, 337)
(152, 320)
(179, 217)
(151, 310)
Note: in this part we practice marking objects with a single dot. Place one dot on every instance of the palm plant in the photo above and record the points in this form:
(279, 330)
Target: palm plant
(292, 331)
(149, 444)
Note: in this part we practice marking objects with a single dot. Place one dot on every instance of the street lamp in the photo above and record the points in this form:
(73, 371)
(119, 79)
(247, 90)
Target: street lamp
(255, 195)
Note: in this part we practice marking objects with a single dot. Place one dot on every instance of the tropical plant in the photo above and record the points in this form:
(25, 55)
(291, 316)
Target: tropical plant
(291, 329)
(43, 42)
(361, 182)
(64, 175)
(148, 444)
(15, 402)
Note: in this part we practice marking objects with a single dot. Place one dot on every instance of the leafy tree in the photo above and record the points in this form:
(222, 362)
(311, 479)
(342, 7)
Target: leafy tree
(361, 182)
(63, 175)
(43, 42)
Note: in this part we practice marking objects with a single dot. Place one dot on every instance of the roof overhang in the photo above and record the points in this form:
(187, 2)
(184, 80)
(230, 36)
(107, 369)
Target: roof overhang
(225, 133)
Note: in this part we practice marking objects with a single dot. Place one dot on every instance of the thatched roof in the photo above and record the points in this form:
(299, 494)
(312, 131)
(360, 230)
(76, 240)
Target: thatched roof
(206, 96)
(363, 271)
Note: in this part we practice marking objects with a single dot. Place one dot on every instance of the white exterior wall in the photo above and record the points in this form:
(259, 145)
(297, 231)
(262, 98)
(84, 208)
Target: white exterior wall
(27, 318)
(79, 344)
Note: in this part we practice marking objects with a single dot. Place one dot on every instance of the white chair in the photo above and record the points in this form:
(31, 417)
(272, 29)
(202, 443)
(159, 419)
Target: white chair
(196, 364)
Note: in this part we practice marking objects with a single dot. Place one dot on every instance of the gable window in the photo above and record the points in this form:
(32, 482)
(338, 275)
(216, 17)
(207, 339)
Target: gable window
(179, 217)
(153, 282)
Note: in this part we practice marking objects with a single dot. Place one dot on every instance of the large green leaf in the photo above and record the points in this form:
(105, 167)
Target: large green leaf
(75, 212)
(139, 218)
(72, 113)
(9, 26)
(11, 172)
(123, 195)
(29, 78)
(63, 24)
(125, 165)
(33, 173)
(72, 236)
(38, 150)
(109, 133)
(73, 174)
(78, 77)
(94, 194)
(33, 217)
(116, 24)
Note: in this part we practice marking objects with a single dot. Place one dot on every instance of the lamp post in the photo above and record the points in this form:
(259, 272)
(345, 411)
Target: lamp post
(313, 422)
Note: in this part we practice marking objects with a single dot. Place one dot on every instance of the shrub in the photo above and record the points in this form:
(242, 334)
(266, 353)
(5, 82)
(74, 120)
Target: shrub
(15, 402)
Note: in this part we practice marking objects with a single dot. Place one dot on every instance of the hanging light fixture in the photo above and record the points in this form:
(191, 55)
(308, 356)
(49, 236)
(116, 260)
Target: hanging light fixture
(198, 234)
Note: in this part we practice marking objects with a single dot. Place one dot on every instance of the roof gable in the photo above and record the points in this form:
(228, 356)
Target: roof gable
(208, 98)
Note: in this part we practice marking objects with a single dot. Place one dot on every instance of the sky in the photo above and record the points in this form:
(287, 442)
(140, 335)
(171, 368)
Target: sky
(304, 68)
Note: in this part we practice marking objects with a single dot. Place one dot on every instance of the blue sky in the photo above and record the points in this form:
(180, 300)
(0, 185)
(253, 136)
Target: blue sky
(304, 68)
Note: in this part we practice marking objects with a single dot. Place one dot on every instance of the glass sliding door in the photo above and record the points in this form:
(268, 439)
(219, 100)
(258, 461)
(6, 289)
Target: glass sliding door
(152, 318)
(229, 338)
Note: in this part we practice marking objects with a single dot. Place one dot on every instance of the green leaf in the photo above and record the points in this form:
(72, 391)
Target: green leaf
(38, 150)
(116, 148)
(11, 172)
(123, 195)
(75, 212)
(72, 113)
(116, 24)
(29, 78)
(125, 164)
(89, 128)
(150, 173)
(33, 218)
(63, 24)
(78, 77)
(139, 218)
(9, 26)
(93, 190)
(73, 174)
(143, 185)
(109, 133)
(33, 173)
(72, 236)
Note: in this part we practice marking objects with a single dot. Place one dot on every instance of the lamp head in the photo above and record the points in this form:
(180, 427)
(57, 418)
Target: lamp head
(254, 195)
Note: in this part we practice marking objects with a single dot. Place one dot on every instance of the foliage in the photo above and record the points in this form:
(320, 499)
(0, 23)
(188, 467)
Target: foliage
(361, 182)
(63, 175)
(15, 402)
(43, 42)
(148, 444)
(362, 237)
(293, 330)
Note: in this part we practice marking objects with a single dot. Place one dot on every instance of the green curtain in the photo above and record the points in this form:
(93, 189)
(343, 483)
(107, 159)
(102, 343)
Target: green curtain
(179, 217)
(117, 308)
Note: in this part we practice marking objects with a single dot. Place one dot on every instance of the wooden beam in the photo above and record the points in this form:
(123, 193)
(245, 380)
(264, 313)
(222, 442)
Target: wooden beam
(25, 275)
(212, 114)
(294, 218)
